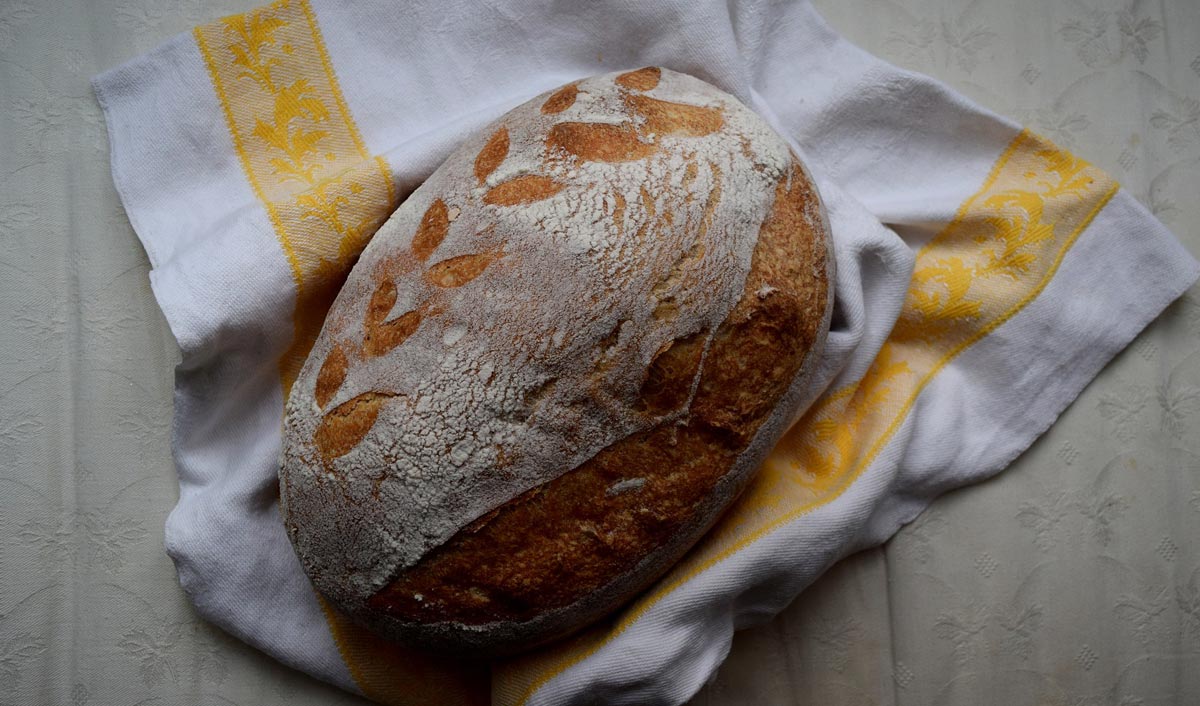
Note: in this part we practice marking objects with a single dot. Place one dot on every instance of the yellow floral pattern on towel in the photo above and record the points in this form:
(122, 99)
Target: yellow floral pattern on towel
(1003, 246)
(325, 195)
(301, 152)
(1000, 250)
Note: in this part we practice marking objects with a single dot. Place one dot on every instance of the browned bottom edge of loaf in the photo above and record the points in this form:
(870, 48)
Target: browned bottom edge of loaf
(505, 638)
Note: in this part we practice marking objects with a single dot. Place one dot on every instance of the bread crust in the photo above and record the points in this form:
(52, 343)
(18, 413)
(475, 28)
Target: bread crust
(662, 412)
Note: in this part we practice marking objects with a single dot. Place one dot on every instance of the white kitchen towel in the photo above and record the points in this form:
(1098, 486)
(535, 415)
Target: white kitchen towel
(984, 277)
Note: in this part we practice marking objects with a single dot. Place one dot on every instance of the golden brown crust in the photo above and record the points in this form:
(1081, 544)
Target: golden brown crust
(492, 154)
(598, 521)
(347, 424)
(562, 99)
(599, 142)
(669, 379)
(381, 336)
(785, 293)
(332, 375)
(667, 118)
(432, 230)
(643, 79)
(523, 189)
(457, 271)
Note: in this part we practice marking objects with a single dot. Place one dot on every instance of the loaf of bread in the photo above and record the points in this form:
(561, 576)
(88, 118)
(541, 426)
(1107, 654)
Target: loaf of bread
(556, 364)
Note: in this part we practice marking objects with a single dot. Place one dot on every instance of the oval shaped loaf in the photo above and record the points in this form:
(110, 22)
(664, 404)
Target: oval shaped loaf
(556, 364)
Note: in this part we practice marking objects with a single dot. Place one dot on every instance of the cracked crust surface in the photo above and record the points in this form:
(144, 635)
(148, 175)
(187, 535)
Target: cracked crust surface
(556, 364)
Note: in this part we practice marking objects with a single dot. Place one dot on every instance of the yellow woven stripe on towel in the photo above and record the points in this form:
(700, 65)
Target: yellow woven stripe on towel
(1003, 246)
(300, 149)
(326, 195)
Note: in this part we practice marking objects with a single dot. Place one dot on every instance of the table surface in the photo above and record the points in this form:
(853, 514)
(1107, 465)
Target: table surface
(1071, 578)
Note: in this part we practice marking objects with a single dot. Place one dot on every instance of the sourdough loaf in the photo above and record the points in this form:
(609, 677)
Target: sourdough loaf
(556, 364)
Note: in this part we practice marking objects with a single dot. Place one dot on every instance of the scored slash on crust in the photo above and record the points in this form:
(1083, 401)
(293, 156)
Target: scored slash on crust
(602, 142)
(347, 424)
(643, 79)
(432, 230)
(492, 154)
(523, 190)
(562, 99)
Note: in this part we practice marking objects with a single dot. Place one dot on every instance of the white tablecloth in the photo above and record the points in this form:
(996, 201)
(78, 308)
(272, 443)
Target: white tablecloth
(1072, 578)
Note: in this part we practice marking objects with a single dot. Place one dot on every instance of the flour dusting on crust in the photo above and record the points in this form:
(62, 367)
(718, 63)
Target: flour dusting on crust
(498, 329)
